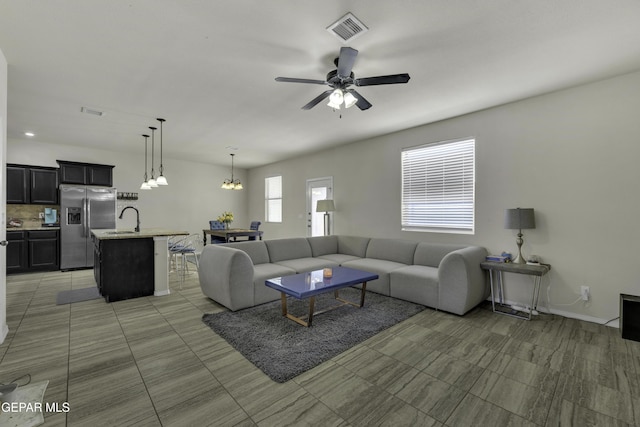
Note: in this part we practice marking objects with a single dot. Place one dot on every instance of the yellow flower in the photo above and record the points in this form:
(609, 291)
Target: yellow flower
(226, 217)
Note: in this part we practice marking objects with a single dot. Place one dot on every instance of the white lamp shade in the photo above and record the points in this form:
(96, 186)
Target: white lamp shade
(162, 180)
(325, 206)
(152, 183)
(145, 186)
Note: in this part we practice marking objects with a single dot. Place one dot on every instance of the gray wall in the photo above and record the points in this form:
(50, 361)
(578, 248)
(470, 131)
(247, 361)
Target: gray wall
(571, 155)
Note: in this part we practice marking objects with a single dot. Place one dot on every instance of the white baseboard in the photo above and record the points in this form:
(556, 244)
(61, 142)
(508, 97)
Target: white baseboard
(571, 315)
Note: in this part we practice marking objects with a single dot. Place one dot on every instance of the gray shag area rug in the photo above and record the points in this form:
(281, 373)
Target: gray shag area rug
(283, 349)
(77, 295)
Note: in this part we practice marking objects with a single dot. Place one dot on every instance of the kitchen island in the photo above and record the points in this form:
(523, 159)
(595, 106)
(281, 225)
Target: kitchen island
(132, 264)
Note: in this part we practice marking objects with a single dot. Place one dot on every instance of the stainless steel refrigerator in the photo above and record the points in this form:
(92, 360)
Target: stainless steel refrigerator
(83, 208)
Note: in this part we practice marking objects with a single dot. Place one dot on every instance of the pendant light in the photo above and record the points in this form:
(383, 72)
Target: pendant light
(161, 179)
(145, 185)
(152, 181)
(231, 184)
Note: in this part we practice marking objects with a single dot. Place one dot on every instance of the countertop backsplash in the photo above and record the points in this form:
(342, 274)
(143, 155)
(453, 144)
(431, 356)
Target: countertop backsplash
(28, 214)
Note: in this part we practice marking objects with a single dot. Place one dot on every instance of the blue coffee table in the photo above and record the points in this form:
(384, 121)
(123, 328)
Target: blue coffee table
(308, 285)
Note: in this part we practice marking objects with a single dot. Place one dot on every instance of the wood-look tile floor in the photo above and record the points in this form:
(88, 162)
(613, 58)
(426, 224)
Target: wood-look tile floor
(151, 361)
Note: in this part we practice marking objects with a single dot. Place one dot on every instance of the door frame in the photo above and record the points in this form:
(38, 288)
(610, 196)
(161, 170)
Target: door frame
(322, 182)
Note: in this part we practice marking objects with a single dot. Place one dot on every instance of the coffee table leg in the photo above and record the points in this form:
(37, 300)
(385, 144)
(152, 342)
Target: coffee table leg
(364, 290)
(312, 303)
(283, 303)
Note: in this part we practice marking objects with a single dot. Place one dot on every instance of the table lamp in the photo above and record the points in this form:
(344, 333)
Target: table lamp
(519, 219)
(325, 206)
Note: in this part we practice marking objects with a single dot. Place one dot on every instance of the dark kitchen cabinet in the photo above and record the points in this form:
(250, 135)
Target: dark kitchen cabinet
(33, 250)
(17, 255)
(34, 185)
(17, 184)
(43, 250)
(44, 186)
(124, 268)
(85, 173)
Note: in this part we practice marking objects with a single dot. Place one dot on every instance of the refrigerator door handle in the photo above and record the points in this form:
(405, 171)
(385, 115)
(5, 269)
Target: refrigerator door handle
(87, 229)
(86, 217)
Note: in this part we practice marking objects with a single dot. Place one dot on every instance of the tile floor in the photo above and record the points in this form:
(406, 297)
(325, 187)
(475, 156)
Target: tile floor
(151, 361)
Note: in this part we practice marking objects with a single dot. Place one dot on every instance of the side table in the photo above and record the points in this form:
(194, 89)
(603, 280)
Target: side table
(495, 278)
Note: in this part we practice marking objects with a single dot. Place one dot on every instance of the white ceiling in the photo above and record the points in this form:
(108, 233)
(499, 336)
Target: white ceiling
(208, 67)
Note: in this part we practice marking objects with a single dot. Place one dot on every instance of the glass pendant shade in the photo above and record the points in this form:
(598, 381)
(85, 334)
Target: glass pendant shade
(335, 99)
(349, 100)
(152, 181)
(161, 180)
(145, 185)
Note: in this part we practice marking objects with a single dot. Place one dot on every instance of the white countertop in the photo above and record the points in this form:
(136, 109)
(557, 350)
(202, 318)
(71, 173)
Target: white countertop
(109, 234)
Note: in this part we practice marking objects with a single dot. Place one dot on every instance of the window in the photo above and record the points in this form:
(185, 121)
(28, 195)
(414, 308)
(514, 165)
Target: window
(438, 187)
(273, 199)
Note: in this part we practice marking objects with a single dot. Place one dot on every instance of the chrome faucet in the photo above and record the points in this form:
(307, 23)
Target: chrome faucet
(137, 229)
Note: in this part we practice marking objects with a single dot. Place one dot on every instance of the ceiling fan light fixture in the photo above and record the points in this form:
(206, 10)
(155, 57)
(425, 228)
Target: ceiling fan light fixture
(349, 100)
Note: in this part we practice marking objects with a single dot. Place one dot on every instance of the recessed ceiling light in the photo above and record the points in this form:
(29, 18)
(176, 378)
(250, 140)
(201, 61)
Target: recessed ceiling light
(29, 134)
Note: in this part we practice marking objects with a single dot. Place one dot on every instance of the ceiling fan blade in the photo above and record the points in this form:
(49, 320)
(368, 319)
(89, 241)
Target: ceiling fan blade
(382, 80)
(294, 80)
(318, 99)
(346, 61)
(361, 102)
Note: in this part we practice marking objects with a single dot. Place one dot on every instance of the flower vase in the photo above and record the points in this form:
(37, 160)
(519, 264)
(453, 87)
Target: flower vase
(226, 225)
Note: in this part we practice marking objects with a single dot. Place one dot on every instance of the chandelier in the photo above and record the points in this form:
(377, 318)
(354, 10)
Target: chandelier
(232, 184)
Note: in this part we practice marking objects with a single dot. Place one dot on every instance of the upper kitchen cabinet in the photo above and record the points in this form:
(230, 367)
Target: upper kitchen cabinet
(32, 185)
(17, 184)
(85, 173)
(44, 186)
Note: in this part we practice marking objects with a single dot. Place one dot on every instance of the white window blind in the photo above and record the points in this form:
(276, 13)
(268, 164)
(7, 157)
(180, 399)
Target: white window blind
(273, 199)
(438, 187)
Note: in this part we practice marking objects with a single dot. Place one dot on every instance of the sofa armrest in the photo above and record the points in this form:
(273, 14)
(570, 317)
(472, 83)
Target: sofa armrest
(226, 276)
(462, 283)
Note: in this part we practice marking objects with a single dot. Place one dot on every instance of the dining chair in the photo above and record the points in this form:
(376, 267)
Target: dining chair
(216, 225)
(189, 249)
(254, 226)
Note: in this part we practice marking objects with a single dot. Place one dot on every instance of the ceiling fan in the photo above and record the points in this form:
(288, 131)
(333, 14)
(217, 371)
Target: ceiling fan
(340, 80)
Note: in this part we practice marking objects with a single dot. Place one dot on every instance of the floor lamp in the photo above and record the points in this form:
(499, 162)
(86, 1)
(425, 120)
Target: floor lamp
(519, 219)
(326, 206)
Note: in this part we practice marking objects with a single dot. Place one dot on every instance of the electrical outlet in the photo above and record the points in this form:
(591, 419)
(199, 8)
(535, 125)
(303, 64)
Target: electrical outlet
(41, 215)
(585, 293)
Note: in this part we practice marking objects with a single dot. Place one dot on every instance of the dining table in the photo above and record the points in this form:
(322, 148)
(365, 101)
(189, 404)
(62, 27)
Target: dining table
(231, 234)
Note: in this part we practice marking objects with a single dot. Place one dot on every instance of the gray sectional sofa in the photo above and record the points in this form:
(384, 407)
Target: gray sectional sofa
(442, 276)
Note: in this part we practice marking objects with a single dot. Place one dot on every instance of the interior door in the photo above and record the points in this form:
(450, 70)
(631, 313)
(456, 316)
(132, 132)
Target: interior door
(318, 189)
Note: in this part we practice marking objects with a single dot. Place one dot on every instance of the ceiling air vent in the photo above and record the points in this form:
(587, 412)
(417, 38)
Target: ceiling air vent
(347, 28)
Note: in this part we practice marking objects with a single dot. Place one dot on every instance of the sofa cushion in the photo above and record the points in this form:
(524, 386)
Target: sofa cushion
(396, 250)
(430, 254)
(323, 245)
(284, 249)
(353, 245)
(302, 265)
(256, 250)
(379, 266)
(263, 272)
(415, 283)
